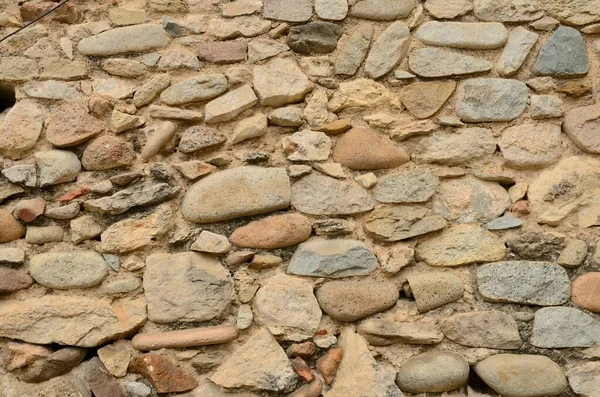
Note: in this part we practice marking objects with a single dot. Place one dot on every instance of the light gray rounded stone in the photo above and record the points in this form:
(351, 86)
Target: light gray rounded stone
(415, 186)
(564, 55)
(472, 36)
(491, 99)
(196, 89)
(522, 375)
(65, 270)
(560, 327)
(236, 192)
(433, 372)
(138, 38)
(332, 259)
(321, 195)
(382, 10)
(525, 282)
(57, 166)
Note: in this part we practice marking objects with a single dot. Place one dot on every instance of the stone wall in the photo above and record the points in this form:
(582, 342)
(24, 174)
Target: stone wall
(374, 199)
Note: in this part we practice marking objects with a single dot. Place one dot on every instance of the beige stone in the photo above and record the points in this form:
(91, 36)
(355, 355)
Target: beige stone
(184, 338)
(280, 82)
(424, 99)
(277, 231)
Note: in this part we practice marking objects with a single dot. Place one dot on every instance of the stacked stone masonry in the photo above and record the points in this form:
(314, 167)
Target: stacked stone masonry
(346, 198)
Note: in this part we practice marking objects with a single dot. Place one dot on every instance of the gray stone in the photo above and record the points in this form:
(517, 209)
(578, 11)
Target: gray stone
(66, 270)
(51, 89)
(264, 48)
(581, 125)
(388, 50)
(401, 222)
(24, 174)
(147, 193)
(490, 99)
(359, 374)
(530, 375)
(585, 379)
(321, 195)
(433, 372)
(503, 223)
(280, 82)
(331, 10)
(235, 193)
(519, 45)
(434, 289)
(332, 259)
(354, 51)
(186, 286)
(508, 10)
(560, 327)
(314, 37)
(489, 329)
(439, 62)
(138, 38)
(195, 89)
(448, 9)
(564, 55)
(286, 301)
(270, 370)
(531, 283)
(353, 300)
(68, 211)
(574, 253)
(384, 332)
(472, 36)
(57, 166)
(230, 105)
(288, 10)
(546, 107)
(416, 186)
(147, 92)
(382, 10)
(468, 199)
(85, 227)
(531, 145)
(200, 137)
(287, 117)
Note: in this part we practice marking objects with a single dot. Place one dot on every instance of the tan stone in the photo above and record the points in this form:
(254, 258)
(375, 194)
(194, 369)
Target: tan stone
(424, 99)
(277, 231)
(531, 145)
(107, 152)
(72, 125)
(116, 357)
(585, 291)
(185, 338)
(582, 126)
(21, 128)
(10, 228)
(489, 329)
(362, 149)
(279, 82)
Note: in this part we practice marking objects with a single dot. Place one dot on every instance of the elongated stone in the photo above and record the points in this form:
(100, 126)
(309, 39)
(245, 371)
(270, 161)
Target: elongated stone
(236, 192)
(401, 222)
(231, 104)
(195, 89)
(382, 10)
(439, 62)
(519, 45)
(490, 329)
(472, 36)
(354, 51)
(488, 99)
(66, 270)
(138, 38)
(389, 49)
(384, 332)
(147, 193)
(185, 338)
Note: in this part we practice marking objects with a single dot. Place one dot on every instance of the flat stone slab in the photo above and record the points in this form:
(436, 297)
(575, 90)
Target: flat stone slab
(229, 105)
(66, 270)
(332, 259)
(288, 10)
(582, 126)
(196, 89)
(382, 10)
(519, 45)
(401, 222)
(236, 192)
(560, 327)
(472, 36)
(564, 55)
(138, 38)
(489, 99)
(388, 50)
(416, 186)
(489, 329)
(321, 195)
(455, 148)
(439, 62)
(525, 282)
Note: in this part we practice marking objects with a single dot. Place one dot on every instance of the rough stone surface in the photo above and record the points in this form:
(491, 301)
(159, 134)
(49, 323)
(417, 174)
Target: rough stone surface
(286, 10)
(564, 55)
(401, 222)
(147, 193)
(559, 327)
(332, 259)
(107, 152)
(286, 301)
(314, 37)
(443, 9)
(472, 36)
(196, 89)
(432, 290)
(384, 332)
(529, 375)
(462, 146)
(353, 300)
(307, 145)
(12, 280)
(586, 291)
(280, 82)
(581, 124)
(169, 280)
(584, 379)
(407, 187)
(489, 329)
(433, 372)
(388, 50)
(439, 62)
(230, 104)
(363, 149)
(424, 99)
(277, 231)
(354, 51)
(65, 270)
(164, 375)
(321, 195)
(519, 45)
(526, 282)
(244, 191)
(57, 166)
(489, 99)
(382, 10)
(270, 370)
(21, 129)
(531, 145)
(507, 10)
(138, 38)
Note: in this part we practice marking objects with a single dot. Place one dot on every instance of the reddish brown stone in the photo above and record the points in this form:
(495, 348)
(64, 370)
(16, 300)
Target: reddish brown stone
(302, 369)
(58, 363)
(362, 149)
(304, 350)
(312, 390)
(585, 291)
(163, 374)
(100, 382)
(126, 178)
(68, 13)
(29, 210)
(72, 125)
(221, 52)
(13, 280)
(329, 364)
(73, 194)
(277, 231)
(521, 207)
(107, 152)
(22, 354)
(10, 228)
